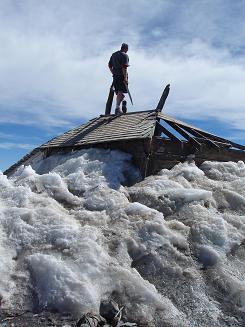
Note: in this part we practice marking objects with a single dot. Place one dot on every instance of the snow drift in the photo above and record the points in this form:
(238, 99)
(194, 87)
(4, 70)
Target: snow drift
(170, 248)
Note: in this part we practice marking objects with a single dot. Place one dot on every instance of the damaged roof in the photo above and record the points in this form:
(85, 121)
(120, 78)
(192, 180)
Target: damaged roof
(108, 128)
(155, 140)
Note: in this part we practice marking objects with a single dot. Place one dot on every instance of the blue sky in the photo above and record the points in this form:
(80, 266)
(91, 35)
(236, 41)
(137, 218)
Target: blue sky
(54, 54)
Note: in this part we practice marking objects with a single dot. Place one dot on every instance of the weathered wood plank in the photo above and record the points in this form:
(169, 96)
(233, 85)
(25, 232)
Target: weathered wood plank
(119, 130)
(132, 126)
(109, 101)
(163, 98)
(102, 140)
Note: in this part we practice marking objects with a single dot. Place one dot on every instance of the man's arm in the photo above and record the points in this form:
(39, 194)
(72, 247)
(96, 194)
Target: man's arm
(125, 65)
(125, 74)
(111, 68)
(110, 65)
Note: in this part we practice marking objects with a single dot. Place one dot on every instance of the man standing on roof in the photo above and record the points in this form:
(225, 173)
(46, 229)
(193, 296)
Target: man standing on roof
(118, 65)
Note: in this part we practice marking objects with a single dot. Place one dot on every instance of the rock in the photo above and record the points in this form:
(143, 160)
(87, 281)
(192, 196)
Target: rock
(90, 320)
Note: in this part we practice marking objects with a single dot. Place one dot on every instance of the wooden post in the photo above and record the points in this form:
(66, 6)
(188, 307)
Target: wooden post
(163, 98)
(109, 101)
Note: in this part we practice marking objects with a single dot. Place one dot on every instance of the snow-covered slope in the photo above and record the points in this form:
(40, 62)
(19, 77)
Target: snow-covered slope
(169, 248)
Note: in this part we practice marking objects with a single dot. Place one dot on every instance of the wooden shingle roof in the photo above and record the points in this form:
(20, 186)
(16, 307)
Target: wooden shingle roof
(108, 128)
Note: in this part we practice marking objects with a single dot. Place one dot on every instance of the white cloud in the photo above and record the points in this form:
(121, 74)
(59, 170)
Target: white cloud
(53, 60)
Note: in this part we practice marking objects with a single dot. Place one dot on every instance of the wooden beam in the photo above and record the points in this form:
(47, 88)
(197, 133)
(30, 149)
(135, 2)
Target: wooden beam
(168, 133)
(199, 134)
(109, 101)
(222, 140)
(194, 142)
(163, 98)
(208, 135)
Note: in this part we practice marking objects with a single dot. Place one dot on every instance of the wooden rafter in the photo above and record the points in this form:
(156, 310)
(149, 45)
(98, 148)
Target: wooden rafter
(200, 135)
(168, 133)
(206, 134)
(182, 132)
(222, 140)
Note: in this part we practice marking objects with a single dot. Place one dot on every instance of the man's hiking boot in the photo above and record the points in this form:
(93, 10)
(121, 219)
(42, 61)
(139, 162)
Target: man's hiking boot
(118, 111)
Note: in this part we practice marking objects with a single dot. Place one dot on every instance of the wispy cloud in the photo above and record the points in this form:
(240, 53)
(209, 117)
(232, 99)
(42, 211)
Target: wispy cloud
(13, 145)
(6, 136)
(53, 60)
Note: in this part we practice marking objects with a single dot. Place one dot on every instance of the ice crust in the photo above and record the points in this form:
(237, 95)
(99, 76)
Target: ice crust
(170, 248)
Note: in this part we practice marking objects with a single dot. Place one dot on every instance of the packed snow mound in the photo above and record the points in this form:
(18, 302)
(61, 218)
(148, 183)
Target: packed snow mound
(170, 248)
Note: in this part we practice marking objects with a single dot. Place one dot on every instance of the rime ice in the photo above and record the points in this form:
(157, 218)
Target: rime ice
(169, 248)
